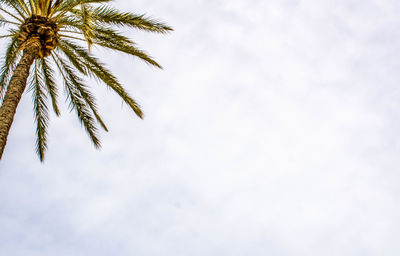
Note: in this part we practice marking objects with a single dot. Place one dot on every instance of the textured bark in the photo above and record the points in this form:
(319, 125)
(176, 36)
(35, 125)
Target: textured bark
(15, 90)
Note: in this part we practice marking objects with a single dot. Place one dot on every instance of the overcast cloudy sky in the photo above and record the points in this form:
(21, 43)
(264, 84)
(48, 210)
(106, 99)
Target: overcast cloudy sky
(274, 129)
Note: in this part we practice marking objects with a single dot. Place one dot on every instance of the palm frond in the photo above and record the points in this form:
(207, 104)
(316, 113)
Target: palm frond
(72, 37)
(40, 111)
(12, 15)
(11, 57)
(24, 7)
(69, 22)
(86, 95)
(82, 88)
(49, 4)
(77, 100)
(126, 48)
(5, 36)
(63, 7)
(56, 4)
(18, 6)
(109, 15)
(2, 20)
(73, 58)
(32, 6)
(5, 21)
(111, 34)
(51, 87)
(87, 25)
(97, 70)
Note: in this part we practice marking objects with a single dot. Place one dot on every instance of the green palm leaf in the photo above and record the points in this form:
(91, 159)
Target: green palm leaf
(8, 66)
(40, 111)
(77, 100)
(48, 74)
(97, 70)
(109, 15)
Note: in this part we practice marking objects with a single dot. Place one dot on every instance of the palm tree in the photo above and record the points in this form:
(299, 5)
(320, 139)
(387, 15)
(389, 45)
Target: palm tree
(44, 36)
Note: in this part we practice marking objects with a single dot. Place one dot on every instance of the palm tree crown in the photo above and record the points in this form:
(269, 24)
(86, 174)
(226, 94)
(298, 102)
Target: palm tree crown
(44, 36)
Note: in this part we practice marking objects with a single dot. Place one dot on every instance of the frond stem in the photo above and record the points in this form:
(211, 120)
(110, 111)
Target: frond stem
(10, 22)
(18, 10)
(24, 7)
(70, 31)
(6, 36)
(12, 15)
(73, 37)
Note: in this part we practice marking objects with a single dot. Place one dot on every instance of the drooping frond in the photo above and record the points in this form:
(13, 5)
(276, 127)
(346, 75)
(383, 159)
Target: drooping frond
(10, 60)
(108, 15)
(73, 58)
(97, 70)
(40, 110)
(48, 75)
(79, 100)
(126, 48)
(87, 96)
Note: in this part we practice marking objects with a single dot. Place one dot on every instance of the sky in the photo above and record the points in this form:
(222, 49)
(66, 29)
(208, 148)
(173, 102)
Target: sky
(274, 129)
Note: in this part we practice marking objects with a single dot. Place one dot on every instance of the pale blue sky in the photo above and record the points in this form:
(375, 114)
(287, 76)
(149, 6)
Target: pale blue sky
(274, 129)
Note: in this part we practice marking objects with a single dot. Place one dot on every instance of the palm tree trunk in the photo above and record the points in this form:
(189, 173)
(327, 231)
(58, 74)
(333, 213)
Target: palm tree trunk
(15, 90)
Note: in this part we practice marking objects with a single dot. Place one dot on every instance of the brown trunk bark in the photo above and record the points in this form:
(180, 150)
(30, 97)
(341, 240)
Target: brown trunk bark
(15, 90)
